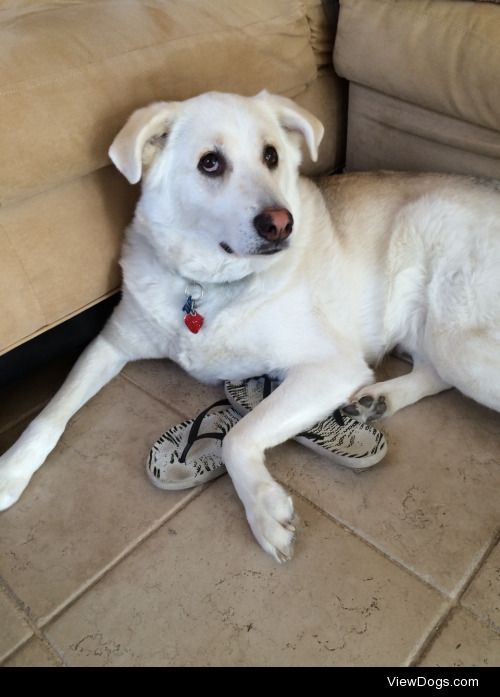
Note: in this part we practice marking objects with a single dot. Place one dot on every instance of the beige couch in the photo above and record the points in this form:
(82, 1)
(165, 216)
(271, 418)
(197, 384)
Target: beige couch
(71, 74)
(424, 90)
(423, 94)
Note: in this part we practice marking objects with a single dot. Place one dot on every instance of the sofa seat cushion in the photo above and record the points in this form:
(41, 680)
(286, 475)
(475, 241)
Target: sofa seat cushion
(59, 252)
(442, 55)
(72, 72)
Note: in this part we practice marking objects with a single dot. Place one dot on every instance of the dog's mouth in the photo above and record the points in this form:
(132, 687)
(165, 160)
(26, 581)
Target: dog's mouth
(226, 248)
(265, 249)
(273, 248)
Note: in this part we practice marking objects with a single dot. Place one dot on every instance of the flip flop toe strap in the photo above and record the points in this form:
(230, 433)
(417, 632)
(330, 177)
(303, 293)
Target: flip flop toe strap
(194, 434)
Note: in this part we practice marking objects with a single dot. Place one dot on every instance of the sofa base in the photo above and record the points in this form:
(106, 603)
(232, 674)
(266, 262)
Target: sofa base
(68, 337)
(387, 133)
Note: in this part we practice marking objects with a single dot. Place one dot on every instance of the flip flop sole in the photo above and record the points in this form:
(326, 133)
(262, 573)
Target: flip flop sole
(353, 445)
(357, 447)
(176, 461)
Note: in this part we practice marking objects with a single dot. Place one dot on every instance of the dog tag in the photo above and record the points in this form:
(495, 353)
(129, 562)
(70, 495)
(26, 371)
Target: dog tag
(194, 321)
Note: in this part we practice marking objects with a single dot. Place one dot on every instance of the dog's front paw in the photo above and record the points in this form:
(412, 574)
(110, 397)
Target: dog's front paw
(271, 518)
(12, 485)
(367, 407)
(19, 464)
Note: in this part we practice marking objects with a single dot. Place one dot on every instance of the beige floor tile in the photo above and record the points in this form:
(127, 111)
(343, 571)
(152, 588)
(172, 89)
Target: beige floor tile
(34, 654)
(13, 629)
(201, 592)
(483, 596)
(464, 641)
(437, 484)
(89, 502)
(169, 383)
(432, 503)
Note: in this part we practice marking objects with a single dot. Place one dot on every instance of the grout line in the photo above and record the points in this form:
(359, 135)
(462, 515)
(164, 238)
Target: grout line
(127, 551)
(161, 401)
(452, 600)
(36, 632)
(489, 624)
(420, 652)
(345, 526)
(463, 587)
(18, 608)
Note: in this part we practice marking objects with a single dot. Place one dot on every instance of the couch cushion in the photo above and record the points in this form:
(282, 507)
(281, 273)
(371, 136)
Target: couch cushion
(59, 252)
(326, 98)
(321, 34)
(386, 133)
(72, 72)
(439, 54)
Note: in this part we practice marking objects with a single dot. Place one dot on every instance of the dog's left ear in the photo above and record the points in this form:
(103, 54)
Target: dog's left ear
(293, 118)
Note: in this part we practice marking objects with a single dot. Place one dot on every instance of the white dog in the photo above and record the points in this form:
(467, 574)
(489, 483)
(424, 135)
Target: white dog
(308, 291)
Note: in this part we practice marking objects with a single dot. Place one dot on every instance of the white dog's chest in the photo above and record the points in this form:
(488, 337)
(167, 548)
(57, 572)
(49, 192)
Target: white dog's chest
(210, 360)
(243, 339)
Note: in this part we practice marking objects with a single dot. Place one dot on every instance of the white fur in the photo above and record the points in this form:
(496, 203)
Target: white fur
(391, 259)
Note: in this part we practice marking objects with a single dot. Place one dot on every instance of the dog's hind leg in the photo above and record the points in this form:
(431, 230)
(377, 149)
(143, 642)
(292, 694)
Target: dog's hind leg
(470, 361)
(97, 365)
(383, 399)
(308, 394)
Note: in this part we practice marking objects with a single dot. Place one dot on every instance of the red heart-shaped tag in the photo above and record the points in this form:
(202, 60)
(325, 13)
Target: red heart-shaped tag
(194, 322)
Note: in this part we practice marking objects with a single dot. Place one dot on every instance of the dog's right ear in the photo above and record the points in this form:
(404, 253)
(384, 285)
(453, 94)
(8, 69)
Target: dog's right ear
(142, 137)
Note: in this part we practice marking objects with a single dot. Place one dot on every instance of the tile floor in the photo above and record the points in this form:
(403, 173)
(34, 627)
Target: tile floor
(398, 565)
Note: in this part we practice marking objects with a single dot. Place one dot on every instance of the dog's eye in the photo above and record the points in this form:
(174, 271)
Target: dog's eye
(212, 164)
(270, 156)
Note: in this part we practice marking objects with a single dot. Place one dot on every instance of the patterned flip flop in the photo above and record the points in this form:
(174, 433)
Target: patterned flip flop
(189, 454)
(342, 439)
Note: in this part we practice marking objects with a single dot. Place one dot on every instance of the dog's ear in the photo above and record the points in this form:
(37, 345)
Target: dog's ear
(293, 118)
(142, 137)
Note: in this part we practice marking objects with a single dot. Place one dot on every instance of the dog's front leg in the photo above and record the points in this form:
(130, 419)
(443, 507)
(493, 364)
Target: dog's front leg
(383, 399)
(308, 394)
(97, 365)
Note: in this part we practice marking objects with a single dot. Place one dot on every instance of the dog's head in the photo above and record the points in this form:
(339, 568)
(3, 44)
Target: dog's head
(219, 178)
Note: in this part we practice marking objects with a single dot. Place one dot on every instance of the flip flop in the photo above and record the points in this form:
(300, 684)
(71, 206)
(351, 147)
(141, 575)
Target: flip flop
(342, 439)
(189, 454)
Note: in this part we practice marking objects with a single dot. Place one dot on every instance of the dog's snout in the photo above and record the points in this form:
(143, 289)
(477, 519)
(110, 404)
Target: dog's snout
(274, 224)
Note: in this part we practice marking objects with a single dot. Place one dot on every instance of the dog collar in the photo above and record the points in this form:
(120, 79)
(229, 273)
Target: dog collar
(192, 319)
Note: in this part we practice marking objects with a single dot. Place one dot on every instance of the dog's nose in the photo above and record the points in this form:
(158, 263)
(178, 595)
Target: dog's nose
(274, 224)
